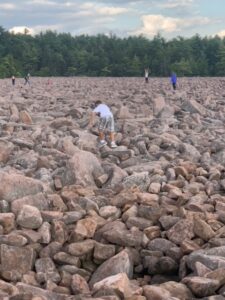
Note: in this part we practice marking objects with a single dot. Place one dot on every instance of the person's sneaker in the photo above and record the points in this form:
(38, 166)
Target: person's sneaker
(113, 145)
(102, 143)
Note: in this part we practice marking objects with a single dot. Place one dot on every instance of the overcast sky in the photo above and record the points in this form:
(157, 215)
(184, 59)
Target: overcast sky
(123, 18)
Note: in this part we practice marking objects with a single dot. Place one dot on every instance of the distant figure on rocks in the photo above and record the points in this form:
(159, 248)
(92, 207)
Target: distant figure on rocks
(146, 74)
(106, 121)
(13, 80)
(27, 79)
(173, 80)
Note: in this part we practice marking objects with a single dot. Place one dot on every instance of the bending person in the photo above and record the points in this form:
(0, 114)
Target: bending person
(106, 121)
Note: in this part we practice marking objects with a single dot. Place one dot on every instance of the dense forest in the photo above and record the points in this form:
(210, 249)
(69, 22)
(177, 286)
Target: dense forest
(61, 54)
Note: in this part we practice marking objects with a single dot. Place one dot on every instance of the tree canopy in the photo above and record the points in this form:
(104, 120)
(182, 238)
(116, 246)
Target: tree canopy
(60, 54)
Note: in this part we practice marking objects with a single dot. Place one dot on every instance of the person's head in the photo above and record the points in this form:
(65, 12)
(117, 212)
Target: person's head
(97, 103)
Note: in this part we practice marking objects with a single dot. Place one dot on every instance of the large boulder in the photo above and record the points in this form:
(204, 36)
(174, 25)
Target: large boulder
(15, 261)
(14, 186)
(120, 263)
(83, 168)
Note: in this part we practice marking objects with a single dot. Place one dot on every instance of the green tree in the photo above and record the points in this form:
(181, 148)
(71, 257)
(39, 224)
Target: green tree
(7, 67)
(220, 65)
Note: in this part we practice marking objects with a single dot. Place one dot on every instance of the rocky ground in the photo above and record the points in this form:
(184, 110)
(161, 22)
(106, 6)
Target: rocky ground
(144, 221)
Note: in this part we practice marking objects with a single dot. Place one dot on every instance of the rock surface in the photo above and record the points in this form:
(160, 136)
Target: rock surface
(144, 221)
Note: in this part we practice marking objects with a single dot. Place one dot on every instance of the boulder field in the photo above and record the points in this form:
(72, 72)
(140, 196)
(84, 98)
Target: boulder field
(144, 221)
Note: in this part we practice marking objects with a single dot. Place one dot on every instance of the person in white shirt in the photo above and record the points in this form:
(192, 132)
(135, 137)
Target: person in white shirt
(106, 121)
(146, 74)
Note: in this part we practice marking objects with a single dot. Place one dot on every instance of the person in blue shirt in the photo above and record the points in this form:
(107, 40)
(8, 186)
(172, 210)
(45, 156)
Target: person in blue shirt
(173, 80)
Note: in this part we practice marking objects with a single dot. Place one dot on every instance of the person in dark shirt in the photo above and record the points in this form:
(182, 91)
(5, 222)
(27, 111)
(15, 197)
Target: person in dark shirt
(13, 80)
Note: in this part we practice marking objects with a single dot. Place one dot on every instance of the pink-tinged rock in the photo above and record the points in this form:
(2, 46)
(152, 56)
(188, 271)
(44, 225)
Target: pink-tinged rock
(58, 183)
(40, 293)
(13, 239)
(59, 122)
(119, 283)
(126, 196)
(155, 292)
(120, 263)
(16, 261)
(158, 104)
(14, 113)
(38, 200)
(81, 168)
(29, 217)
(8, 288)
(56, 202)
(6, 149)
(188, 246)
(177, 290)
(45, 233)
(148, 199)
(65, 258)
(59, 231)
(201, 270)
(193, 106)
(218, 274)
(123, 113)
(103, 251)
(7, 220)
(51, 249)
(152, 232)
(81, 248)
(154, 187)
(129, 238)
(49, 216)
(116, 175)
(14, 186)
(79, 285)
(84, 228)
(110, 211)
(182, 230)
(25, 117)
(200, 286)
(203, 230)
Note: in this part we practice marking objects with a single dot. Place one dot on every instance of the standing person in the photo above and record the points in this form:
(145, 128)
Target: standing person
(106, 121)
(146, 74)
(13, 80)
(27, 79)
(173, 80)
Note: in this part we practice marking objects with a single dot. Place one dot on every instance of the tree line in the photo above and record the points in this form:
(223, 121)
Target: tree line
(61, 54)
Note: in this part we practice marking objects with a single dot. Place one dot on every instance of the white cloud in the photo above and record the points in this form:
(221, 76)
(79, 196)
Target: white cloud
(87, 5)
(176, 3)
(41, 2)
(90, 8)
(34, 30)
(43, 28)
(111, 11)
(152, 24)
(221, 33)
(7, 6)
(21, 29)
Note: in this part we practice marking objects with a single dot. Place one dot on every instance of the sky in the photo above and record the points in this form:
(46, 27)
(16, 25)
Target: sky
(123, 18)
